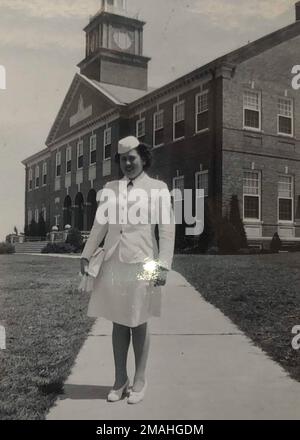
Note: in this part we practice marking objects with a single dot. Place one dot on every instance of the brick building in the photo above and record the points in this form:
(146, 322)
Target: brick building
(231, 127)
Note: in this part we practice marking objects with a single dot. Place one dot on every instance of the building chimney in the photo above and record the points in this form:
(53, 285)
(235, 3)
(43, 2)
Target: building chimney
(297, 6)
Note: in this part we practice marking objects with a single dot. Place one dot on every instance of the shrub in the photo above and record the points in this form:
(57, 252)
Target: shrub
(276, 243)
(228, 238)
(206, 239)
(33, 229)
(74, 238)
(58, 248)
(42, 226)
(7, 248)
(236, 221)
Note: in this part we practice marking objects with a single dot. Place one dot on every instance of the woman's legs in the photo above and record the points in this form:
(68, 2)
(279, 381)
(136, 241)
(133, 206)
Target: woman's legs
(121, 341)
(141, 344)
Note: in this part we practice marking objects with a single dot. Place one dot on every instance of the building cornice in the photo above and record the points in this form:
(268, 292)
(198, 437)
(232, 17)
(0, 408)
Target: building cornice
(37, 157)
(85, 128)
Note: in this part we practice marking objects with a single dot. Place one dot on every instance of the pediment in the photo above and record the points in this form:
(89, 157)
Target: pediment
(83, 103)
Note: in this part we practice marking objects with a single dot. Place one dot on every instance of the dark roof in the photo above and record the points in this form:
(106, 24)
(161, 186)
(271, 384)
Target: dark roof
(235, 57)
(119, 95)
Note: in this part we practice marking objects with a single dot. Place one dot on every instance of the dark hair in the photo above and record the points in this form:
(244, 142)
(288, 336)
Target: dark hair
(145, 153)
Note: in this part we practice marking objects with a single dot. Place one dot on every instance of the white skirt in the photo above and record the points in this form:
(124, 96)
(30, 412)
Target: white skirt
(121, 295)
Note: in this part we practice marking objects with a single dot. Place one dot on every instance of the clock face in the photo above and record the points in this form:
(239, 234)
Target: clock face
(122, 39)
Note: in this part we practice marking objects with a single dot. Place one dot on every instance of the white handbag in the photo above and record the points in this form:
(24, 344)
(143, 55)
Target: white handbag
(95, 262)
(87, 281)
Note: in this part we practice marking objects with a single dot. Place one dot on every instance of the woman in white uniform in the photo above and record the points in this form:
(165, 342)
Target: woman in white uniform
(128, 288)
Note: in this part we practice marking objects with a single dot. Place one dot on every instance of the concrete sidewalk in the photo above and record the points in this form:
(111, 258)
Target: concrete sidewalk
(200, 367)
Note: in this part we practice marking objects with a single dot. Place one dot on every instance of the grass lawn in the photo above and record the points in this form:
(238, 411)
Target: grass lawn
(46, 324)
(259, 293)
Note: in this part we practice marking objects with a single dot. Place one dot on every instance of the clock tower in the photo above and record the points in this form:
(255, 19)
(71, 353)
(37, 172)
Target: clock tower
(114, 47)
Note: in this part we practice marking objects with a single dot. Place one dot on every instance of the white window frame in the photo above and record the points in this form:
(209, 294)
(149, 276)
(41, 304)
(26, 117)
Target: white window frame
(202, 173)
(199, 111)
(287, 222)
(107, 141)
(156, 128)
(253, 220)
(93, 147)
(57, 219)
(79, 154)
(45, 173)
(58, 163)
(178, 179)
(248, 107)
(68, 158)
(37, 176)
(36, 215)
(175, 121)
(30, 180)
(44, 213)
(140, 128)
(285, 116)
(29, 216)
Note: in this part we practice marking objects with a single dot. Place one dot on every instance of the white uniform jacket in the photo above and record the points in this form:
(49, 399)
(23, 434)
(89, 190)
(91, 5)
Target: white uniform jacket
(137, 242)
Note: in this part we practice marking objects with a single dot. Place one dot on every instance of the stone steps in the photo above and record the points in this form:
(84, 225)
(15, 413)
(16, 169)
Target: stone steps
(30, 247)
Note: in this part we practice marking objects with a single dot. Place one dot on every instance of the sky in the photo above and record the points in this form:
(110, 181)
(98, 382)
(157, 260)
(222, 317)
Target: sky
(41, 41)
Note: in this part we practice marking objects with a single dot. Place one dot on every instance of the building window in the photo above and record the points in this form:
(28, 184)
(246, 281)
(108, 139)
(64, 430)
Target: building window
(252, 194)
(252, 110)
(158, 128)
(68, 159)
(37, 177)
(44, 213)
(285, 199)
(57, 220)
(30, 179)
(45, 173)
(202, 181)
(202, 111)
(178, 184)
(141, 129)
(179, 123)
(285, 117)
(107, 144)
(36, 215)
(29, 216)
(58, 164)
(80, 155)
(93, 147)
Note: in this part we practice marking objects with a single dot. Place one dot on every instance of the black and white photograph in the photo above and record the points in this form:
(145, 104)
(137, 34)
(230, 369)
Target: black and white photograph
(150, 212)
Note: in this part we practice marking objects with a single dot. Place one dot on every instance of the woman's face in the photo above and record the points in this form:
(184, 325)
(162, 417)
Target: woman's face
(131, 164)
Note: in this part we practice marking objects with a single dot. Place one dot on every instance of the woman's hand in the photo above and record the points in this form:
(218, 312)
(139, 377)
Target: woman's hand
(84, 266)
(161, 277)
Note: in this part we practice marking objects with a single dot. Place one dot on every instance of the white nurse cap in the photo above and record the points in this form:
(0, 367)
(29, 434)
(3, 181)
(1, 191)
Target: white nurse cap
(127, 144)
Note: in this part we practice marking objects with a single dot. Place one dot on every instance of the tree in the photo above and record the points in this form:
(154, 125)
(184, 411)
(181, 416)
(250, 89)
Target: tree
(42, 226)
(228, 239)
(236, 221)
(33, 229)
(206, 239)
(16, 230)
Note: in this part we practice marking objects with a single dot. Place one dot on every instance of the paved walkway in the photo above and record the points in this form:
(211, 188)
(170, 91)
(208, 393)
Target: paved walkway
(200, 367)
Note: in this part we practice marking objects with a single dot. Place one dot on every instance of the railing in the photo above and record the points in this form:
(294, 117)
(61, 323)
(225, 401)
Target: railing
(54, 236)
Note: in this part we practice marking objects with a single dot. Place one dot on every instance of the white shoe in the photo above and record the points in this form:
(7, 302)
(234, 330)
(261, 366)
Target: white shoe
(137, 396)
(115, 395)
